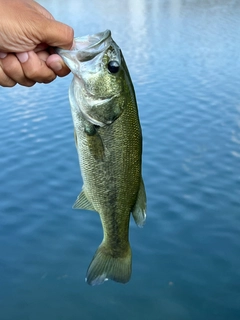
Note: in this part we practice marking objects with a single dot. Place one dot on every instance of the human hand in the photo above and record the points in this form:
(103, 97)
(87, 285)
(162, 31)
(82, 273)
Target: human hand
(28, 35)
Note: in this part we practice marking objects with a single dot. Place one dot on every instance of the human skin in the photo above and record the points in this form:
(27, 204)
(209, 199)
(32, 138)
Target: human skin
(28, 35)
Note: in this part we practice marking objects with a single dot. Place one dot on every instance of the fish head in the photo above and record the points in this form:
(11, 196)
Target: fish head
(100, 73)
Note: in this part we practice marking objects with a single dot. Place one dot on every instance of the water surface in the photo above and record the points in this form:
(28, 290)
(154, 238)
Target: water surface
(183, 57)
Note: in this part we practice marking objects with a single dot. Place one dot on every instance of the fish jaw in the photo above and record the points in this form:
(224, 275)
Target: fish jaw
(97, 92)
(85, 49)
(95, 42)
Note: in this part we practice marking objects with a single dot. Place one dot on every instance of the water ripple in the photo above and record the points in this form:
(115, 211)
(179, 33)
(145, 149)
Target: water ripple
(184, 60)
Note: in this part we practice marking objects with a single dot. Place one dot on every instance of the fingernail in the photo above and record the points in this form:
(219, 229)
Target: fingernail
(56, 66)
(22, 56)
(3, 55)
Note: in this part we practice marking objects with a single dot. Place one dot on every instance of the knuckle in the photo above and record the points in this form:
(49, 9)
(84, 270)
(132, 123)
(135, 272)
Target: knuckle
(8, 84)
(33, 73)
(5, 80)
(50, 78)
(10, 65)
(28, 83)
(39, 73)
(63, 72)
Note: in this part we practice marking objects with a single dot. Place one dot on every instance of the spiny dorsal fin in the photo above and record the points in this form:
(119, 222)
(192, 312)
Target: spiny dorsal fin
(139, 210)
(83, 203)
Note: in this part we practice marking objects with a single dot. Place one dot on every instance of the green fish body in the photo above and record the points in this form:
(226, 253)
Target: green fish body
(109, 143)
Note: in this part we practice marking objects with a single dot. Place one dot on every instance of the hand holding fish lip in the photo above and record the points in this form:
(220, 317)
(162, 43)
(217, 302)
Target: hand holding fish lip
(27, 34)
(38, 68)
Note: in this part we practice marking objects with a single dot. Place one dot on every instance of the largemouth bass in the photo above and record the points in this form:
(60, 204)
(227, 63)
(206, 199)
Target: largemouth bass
(109, 143)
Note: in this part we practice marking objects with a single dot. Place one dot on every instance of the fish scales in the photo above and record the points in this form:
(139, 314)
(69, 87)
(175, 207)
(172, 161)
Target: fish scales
(109, 144)
(116, 187)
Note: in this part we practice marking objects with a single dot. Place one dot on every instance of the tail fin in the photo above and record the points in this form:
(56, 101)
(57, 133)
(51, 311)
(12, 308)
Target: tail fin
(105, 266)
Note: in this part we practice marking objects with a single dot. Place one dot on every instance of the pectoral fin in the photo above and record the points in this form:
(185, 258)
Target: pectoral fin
(139, 210)
(83, 203)
(94, 142)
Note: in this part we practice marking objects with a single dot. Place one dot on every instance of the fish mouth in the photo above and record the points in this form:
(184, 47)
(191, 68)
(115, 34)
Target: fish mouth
(91, 41)
(87, 47)
(90, 46)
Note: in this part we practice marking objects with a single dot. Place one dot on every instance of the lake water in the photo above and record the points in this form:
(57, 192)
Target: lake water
(184, 59)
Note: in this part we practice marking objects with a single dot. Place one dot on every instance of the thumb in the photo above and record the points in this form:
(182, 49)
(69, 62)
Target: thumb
(57, 34)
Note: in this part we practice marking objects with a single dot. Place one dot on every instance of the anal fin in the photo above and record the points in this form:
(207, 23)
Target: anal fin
(82, 202)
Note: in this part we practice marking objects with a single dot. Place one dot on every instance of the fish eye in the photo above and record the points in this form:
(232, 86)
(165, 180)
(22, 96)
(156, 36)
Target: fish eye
(113, 66)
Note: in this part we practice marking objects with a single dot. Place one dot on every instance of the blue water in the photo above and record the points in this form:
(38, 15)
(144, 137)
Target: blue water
(184, 60)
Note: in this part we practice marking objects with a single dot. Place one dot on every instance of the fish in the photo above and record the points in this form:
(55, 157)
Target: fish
(108, 139)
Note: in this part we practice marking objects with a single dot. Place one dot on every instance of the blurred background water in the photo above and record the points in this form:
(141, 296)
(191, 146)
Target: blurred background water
(183, 57)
